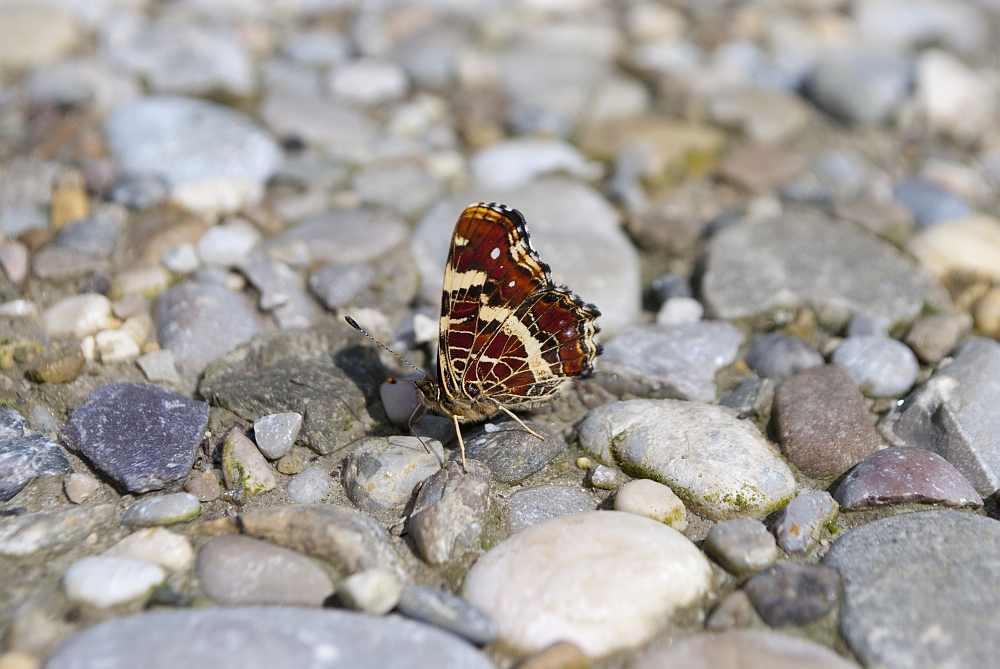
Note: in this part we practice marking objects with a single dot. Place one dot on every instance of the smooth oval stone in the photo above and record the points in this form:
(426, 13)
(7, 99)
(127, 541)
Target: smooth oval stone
(780, 356)
(793, 593)
(721, 466)
(242, 571)
(933, 337)
(799, 524)
(532, 505)
(932, 573)
(822, 421)
(511, 452)
(105, 581)
(905, 474)
(158, 546)
(573, 578)
(51, 530)
(967, 246)
(374, 591)
(652, 500)
(276, 432)
(881, 366)
(741, 545)
(162, 510)
(450, 509)
(256, 638)
(309, 486)
(381, 472)
(743, 649)
(447, 612)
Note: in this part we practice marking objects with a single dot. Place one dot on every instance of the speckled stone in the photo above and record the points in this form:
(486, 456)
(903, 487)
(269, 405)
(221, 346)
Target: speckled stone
(794, 593)
(742, 545)
(450, 510)
(25, 454)
(162, 510)
(309, 486)
(532, 505)
(51, 530)
(510, 452)
(902, 475)
(801, 521)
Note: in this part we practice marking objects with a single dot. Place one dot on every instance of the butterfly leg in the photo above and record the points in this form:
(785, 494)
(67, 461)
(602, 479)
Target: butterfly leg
(461, 443)
(519, 421)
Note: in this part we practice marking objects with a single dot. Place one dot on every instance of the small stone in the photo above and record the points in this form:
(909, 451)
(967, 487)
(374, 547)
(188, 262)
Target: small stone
(138, 327)
(450, 510)
(986, 313)
(69, 204)
(737, 649)
(754, 396)
(447, 612)
(965, 246)
(78, 316)
(337, 285)
(532, 505)
(64, 369)
(583, 462)
(369, 81)
(18, 660)
(181, 258)
(162, 510)
(158, 546)
(382, 472)
(934, 337)
(138, 191)
(148, 280)
(229, 244)
(291, 463)
(244, 469)
(652, 500)
(734, 612)
(678, 310)
(800, 523)
(204, 485)
(763, 115)
(25, 309)
(904, 475)
(510, 452)
(131, 304)
(860, 86)
(780, 356)
(58, 264)
(761, 168)
(275, 433)
(95, 235)
(373, 591)
(881, 366)
(79, 487)
(25, 455)
(105, 581)
(406, 188)
(929, 203)
(742, 545)
(794, 593)
(115, 346)
(158, 366)
(14, 260)
(560, 655)
(602, 477)
(309, 486)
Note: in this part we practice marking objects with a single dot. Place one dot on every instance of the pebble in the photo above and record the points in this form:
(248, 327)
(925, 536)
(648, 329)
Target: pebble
(79, 487)
(721, 466)
(968, 245)
(760, 168)
(904, 588)
(116, 346)
(755, 268)
(242, 571)
(309, 486)
(778, 356)
(403, 188)
(447, 612)
(342, 237)
(19, 309)
(739, 649)
(955, 100)
(536, 584)
(879, 365)
(78, 316)
(602, 477)
(181, 258)
(35, 35)
(900, 24)
(186, 318)
(229, 244)
(742, 545)
(317, 47)
(652, 500)
(514, 163)
(794, 593)
(891, 221)
(141, 436)
(864, 86)
(159, 367)
(59, 264)
(63, 369)
(986, 313)
(373, 591)
(510, 452)
(763, 115)
(904, 475)
(369, 81)
(148, 280)
(533, 505)
(560, 655)
(95, 235)
(158, 546)
(275, 433)
(14, 260)
(450, 510)
(676, 361)
(679, 310)
(52, 530)
(162, 510)
(281, 292)
(667, 286)
(19, 660)
(929, 203)
(336, 127)
(822, 422)
(244, 469)
(272, 636)
(797, 528)
(381, 473)
(25, 455)
(337, 285)
(105, 581)
(138, 191)
(734, 612)
(204, 485)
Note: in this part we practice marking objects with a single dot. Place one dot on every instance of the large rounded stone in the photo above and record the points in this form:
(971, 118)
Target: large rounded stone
(743, 649)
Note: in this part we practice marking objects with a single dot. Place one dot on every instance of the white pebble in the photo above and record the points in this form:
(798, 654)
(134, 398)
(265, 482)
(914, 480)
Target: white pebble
(88, 347)
(181, 258)
(369, 81)
(309, 486)
(155, 545)
(115, 346)
(138, 327)
(652, 500)
(79, 316)
(104, 581)
(19, 309)
(275, 433)
(374, 591)
(162, 510)
(79, 487)
(680, 310)
(228, 244)
(159, 366)
(425, 329)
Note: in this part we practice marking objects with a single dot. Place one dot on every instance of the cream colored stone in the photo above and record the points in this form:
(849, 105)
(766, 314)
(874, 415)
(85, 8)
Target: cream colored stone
(986, 313)
(967, 245)
(115, 346)
(156, 545)
(138, 327)
(32, 33)
(79, 316)
(147, 280)
(644, 497)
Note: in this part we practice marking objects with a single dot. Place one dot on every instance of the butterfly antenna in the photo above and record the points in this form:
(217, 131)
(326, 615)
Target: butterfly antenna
(354, 324)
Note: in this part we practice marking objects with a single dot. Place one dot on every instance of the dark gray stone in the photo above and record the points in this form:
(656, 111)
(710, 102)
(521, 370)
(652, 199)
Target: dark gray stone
(25, 454)
(860, 86)
(794, 593)
(954, 414)
(799, 524)
(337, 285)
(511, 452)
(141, 436)
(666, 286)
(95, 235)
(450, 510)
(447, 612)
(533, 505)
(930, 203)
(754, 396)
(263, 638)
(742, 545)
(905, 474)
(779, 356)
(929, 583)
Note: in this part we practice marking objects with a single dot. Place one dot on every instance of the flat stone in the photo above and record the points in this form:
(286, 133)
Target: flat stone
(54, 263)
(762, 167)
(797, 528)
(162, 510)
(742, 545)
(228, 244)
(25, 455)
(309, 486)
(511, 453)
(337, 285)
(863, 86)
(671, 361)
(141, 436)
(881, 366)
(934, 337)
(744, 649)
(51, 530)
(652, 500)
(381, 473)
(722, 467)
(116, 346)
(405, 188)
(809, 260)
(793, 593)
(148, 279)
(514, 163)
(573, 579)
(532, 505)
(78, 316)
(104, 581)
(900, 25)
(969, 245)
(450, 510)
(265, 637)
(241, 571)
(338, 128)
(904, 475)
(159, 366)
(244, 469)
(929, 203)
(158, 546)
(373, 591)
(899, 577)
(342, 236)
(822, 422)
(447, 612)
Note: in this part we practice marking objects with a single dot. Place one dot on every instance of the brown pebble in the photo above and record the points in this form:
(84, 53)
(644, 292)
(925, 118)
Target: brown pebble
(69, 203)
(64, 369)
(560, 655)
(291, 463)
(203, 484)
(762, 167)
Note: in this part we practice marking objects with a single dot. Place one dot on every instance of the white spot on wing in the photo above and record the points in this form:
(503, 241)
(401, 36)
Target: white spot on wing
(511, 284)
(495, 253)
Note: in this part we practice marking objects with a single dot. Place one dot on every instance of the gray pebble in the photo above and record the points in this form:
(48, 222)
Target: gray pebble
(55, 263)
(742, 545)
(447, 612)
(402, 188)
(511, 452)
(930, 203)
(381, 473)
(95, 235)
(753, 396)
(794, 593)
(309, 486)
(276, 432)
(337, 285)
(138, 191)
(162, 510)
(734, 612)
(603, 477)
(532, 505)
(450, 510)
(159, 366)
(800, 523)
(25, 454)
(780, 356)
(881, 366)
(866, 324)
(281, 291)
(860, 86)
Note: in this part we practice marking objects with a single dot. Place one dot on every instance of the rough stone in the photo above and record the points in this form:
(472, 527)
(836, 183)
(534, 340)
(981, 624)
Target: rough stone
(309, 486)
(511, 453)
(532, 505)
(51, 530)
(447, 612)
(25, 455)
(380, 474)
(244, 469)
(450, 510)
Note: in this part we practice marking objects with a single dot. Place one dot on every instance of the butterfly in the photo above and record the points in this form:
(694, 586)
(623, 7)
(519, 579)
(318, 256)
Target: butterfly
(509, 337)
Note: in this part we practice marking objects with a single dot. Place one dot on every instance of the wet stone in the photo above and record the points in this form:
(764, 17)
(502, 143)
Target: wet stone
(934, 337)
(158, 546)
(532, 505)
(162, 510)
(800, 523)
(742, 545)
(734, 612)
(104, 581)
(902, 475)
(822, 422)
(265, 637)
(929, 203)
(881, 366)
(794, 593)
(241, 571)
(373, 591)
(673, 361)
(309, 486)
(447, 612)
(510, 452)
(51, 530)
(141, 436)
(25, 455)
(450, 510)
(382, 472)
(337, 285)
(244, 469)
(778, 356)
